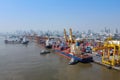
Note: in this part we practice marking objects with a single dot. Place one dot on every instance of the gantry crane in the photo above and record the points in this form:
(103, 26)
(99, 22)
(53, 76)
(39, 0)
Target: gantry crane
(110, 52)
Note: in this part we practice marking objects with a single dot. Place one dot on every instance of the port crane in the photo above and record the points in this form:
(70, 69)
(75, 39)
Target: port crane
(110, 52)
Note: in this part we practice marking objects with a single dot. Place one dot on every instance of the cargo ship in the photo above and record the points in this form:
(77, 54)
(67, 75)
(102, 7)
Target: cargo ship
(66, 47)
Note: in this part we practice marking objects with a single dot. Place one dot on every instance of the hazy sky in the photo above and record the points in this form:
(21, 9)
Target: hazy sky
(58, 14)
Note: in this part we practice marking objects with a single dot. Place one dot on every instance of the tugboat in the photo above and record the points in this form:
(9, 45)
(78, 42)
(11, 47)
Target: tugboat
(24, 41)
(73, 61)
(44, 52)
(48, 44)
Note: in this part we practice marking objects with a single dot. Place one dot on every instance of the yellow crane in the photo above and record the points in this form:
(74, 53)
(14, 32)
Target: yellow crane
(65, 35)
(71, 38)
(110, 52)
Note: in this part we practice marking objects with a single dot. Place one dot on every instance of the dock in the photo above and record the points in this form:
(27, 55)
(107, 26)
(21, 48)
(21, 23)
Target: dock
(98, 60)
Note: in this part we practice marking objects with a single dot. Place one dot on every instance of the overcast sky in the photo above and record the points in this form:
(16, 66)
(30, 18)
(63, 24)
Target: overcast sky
(58, 14)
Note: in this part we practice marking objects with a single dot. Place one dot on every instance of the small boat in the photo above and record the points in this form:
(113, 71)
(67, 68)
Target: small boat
(44, 52)
(25, 42)
(73, 61)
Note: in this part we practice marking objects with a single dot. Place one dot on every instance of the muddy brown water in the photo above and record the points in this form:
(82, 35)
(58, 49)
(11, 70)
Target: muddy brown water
(20, 62)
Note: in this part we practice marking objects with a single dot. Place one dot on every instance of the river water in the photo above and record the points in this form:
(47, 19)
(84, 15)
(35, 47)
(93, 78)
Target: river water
(20, 62)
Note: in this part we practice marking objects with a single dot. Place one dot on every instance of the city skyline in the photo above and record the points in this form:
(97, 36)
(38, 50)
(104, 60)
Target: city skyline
(59, 14)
